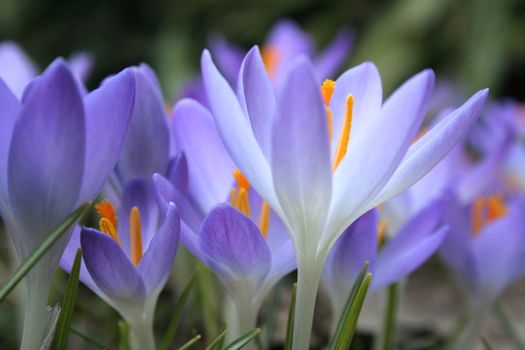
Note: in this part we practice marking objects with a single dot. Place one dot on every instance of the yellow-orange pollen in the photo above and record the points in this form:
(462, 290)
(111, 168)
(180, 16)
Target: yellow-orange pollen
(327, 90)
(486, 210)
(270, 57)
(381, 229)
(108, 225)
(239, 198)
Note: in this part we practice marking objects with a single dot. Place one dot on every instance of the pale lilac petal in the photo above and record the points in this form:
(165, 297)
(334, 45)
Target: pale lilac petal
(108, 111)
(411, 247)
(81, 64)
(16, 68)
(233, 245)
(364, 83)
(110, 268)
(46, 156)
(178, 173)
(301, 152)
(375, 153)
(432, 147)
(146, 146)
(157, 261)
(499, 250)
(332, 58)
(257, 96)
(209, 165)
(236, 132)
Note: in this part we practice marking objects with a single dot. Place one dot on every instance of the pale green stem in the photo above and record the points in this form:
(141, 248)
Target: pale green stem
(470, 336)
(387, 334)
(141, 334)
(241, 318)
(36, 313)
(308, 277)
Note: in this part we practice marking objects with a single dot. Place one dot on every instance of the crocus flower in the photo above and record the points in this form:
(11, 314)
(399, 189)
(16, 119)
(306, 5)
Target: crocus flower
(17, 69)
(486, 249)
(286, 41)
(323, 160)
(56, 151)
(415, 242)
(128, 260)
(245, 243)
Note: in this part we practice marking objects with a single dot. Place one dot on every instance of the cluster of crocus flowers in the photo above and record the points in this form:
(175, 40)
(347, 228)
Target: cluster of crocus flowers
(129, 258)
(280, 140)
(58, 147)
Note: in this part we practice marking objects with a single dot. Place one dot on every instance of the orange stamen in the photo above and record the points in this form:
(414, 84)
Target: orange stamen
(108, 228)
(233, 197)
(496, 208)
(478, 217)
(344, 136)
(243, 202)
(381, 229)
(327, 89)
(106, 210)
(135, 235)
(264, 219)
(241, 181)
(485, 211)
(270, 57)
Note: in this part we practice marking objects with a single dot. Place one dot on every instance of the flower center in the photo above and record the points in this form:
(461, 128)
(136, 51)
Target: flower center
(108, 225)
(327, 90)
(486, 210)
(270, 56)
(239, 199)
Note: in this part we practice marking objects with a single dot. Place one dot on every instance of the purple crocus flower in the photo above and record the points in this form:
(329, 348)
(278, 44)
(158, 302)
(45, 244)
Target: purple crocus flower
(245, 244)
(129, 259)
(17, 69)
(415, 242)
(286, 41)
(485, 248)
(57, 149)
(323, 160)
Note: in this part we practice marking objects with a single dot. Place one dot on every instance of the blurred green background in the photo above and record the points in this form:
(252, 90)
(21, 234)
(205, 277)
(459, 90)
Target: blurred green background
(479, 42)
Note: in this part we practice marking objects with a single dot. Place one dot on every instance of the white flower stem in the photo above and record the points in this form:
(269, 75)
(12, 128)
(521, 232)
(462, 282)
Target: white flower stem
(241, 318)
(36, 313)
(308, 277)
(141, 334)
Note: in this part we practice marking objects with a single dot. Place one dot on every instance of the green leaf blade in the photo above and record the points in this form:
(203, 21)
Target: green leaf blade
(244, 340)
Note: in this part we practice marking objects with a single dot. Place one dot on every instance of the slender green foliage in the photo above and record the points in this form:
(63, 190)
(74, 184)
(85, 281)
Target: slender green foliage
(123, 330)
(242, 341)
(218, 343)
(190, 342)
(68, 305)
(42, 249)
(388, 331)
(88, 338)
(291, 316)
(174, 323)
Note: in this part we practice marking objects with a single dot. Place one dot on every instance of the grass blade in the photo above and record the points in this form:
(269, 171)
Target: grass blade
(388, 332)
(39, 252)
(123, 330)
(218, 343)
(88, 338)
(190, 342)
(291, 317)
(242, 341)
(486, 344)
(68, 305)
(345, 330)
(174, 323)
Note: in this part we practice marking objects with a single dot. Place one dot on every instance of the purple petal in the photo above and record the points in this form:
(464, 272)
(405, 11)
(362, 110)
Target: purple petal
(158, 259)
(301, 153)
(384, 140)
(16, 68)
(146, 146)
(229, 57)
(178, 173)
(500, 250)
(110, 268)
(209, 165)
(331, 59)
(9, 110)
(46, 156)
(256, 93)
(364, 83)
(138, 193)
(235, 131)
(233, 245)
(356, 245)
(108, 111)
(81, 64)
(433, 146)
(411, 247)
